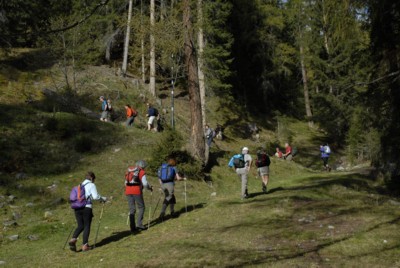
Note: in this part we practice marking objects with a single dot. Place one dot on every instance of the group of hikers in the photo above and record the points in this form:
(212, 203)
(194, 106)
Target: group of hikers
(242, 164)
(153, 122)
(83, 195)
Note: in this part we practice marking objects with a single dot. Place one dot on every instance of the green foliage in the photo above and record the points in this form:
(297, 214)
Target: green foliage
(170, 145)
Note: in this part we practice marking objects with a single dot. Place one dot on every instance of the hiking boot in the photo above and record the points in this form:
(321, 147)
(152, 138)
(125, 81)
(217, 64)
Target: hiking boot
(141, 228)
(72, 244)
(161, 217)
(264, 189)
(329, 169)
(86, 247)
(245, 196)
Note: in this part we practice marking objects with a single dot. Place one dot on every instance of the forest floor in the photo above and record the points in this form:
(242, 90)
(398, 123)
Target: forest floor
(308, 218)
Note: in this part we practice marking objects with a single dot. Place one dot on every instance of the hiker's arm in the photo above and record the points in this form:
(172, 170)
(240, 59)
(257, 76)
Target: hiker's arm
(146, 183)
(94, 195)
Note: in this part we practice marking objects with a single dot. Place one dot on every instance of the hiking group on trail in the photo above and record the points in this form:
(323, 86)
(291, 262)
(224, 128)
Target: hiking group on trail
(82, 197)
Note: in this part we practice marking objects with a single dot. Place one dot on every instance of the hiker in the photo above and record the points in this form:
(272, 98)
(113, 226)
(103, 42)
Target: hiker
(325, 152)
(209, 134)
(152, 113)
(110, 110)
(167, 174)
(218, 131)
(135, 181)
(278, 153)
(262, 164)
(130, 115)
(241, 163)
(288, 152)
(84, 215)
(104, 109)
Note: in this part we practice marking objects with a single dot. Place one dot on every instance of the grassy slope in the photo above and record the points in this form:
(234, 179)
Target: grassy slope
(309, 218)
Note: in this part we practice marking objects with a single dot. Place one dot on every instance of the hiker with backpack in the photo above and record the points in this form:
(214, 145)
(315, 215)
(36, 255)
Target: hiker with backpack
(325, 153)
(152, 114)
(130, 115)
(262, 164)
(81, 199)
(241, 163)
(135, 181)
(209, 133)
(105, 114)
(167, 174)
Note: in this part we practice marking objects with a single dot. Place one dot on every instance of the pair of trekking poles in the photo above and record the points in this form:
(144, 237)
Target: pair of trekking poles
(97, 232)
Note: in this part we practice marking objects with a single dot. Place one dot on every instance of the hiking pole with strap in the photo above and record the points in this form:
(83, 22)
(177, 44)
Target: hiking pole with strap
(155, 209)
(66, 241)
(184, 182)
(151, 202)
(98, 226)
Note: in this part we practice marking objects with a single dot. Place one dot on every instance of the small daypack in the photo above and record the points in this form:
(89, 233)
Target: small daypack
(132, 176)
(134, 112)
(166, 173)
(238, 161)
(263, 160)
(327, 149)
(77, 197)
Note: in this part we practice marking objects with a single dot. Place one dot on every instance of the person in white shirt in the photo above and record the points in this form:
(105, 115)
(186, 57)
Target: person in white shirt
(84, 215)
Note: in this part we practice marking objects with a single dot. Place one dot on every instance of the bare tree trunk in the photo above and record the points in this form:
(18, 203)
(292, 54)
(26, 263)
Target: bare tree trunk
(65, 60)
(326, 41)
(305, 87)
(197, 137)
(202, 88)
(152, 85)
(126, 45)
(142, 41)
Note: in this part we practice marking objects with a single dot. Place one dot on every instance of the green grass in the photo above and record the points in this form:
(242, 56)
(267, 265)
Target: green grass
(308, 219)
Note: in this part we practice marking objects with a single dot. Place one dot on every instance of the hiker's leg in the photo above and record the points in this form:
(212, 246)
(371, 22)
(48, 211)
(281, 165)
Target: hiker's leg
(244, 182)
(140, 203)
(87, 219)
(172, 203)
(79, 221)
(132, 210)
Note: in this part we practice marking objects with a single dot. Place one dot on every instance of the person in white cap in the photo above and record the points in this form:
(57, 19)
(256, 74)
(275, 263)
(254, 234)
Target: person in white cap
(242, 163)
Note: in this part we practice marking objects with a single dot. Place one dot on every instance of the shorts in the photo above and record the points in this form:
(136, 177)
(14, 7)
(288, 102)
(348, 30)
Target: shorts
(151, 120)
(263, 171)
(104, 115)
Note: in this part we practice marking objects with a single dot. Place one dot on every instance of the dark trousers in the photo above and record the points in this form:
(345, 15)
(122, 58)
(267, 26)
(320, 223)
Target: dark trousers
(133, 201)
(84, 219)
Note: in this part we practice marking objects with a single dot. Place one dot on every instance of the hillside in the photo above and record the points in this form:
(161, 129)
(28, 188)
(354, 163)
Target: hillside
(308, 218)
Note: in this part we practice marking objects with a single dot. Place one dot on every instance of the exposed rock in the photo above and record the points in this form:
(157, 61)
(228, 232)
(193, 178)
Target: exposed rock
(11, 198)
(10, 223)
(1, 205)
(48, 214)
(21, 176)
(57, 201)
(33, 237)
(214, 194)
(13, 237)
(393, 202)
(17, 215)
(30, 204)
(2, 262)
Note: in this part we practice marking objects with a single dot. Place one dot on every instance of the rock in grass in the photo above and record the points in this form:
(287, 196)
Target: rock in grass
(2, 262)
(214, 194)
(33, 237)
(9, 223)
(48, 215)
(17, 215)
(13, 237)
(29, 205)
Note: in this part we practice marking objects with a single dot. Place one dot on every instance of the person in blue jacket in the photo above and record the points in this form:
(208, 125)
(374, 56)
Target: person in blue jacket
(325, 152)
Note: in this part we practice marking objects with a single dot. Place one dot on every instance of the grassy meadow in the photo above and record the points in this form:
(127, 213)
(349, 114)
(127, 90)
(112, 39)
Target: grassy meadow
(309, 218)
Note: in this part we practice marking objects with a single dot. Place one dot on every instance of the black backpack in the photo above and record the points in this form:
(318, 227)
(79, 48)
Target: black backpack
(263, 160)
(238, 161)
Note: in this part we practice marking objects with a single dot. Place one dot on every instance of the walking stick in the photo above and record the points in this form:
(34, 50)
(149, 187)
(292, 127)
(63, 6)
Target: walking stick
(155, 209)
(127, 219)
(98, 226)
(66, 241)
(151, 202)
(184, 182)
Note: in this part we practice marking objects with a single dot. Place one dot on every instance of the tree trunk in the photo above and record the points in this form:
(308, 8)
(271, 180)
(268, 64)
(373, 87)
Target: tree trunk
(142, 41)
(305, 87)
(197, 137)
(152, 85)
(126, 45)
(202, 88)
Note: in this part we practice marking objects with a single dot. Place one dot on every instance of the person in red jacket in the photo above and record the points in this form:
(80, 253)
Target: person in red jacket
(135, 181)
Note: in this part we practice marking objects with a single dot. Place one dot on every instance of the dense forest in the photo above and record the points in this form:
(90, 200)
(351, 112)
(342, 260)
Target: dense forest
(335, 64)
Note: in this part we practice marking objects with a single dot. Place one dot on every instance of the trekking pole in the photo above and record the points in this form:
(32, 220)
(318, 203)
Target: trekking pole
(98, 226)
(151, 202)
(155, 209)
(66, 241)
(127, 219)
(184, 183)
